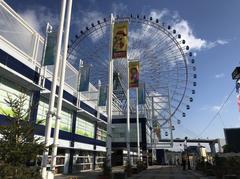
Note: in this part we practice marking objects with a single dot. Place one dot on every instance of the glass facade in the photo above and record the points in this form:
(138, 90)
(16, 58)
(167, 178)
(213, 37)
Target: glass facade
(65, 121)
(101, 134)
(84, 128)
(119, 132)
(9, 89)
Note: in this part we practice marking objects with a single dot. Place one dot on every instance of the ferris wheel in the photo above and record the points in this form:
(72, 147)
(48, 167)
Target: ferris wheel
(166, 64)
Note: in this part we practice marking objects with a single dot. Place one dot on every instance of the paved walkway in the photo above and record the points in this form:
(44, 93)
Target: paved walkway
(153, 172)
(165, 172)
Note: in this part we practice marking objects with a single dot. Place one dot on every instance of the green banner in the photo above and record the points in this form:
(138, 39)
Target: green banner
(141, 94)
(102, 96)
(50, 51)
(84, 78)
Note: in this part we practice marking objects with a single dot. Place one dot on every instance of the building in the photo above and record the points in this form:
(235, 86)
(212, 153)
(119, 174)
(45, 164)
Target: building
(82, 136)
(232, 140)
(83, 125)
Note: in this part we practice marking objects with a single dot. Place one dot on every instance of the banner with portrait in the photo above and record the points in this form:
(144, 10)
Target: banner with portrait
(120, 40)
(133, 74)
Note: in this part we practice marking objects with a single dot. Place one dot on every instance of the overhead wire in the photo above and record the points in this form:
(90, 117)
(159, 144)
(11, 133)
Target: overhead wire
(217, 113)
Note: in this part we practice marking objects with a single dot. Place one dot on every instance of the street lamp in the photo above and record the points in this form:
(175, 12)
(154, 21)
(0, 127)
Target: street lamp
(185, 147)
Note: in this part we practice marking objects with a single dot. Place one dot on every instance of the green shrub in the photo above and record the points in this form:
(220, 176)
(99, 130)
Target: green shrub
(18, 146)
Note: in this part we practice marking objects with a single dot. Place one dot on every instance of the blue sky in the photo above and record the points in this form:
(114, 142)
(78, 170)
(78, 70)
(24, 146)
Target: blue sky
(210, 27)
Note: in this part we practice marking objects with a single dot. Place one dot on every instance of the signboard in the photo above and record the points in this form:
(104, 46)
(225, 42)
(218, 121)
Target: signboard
(133, 74)
(120, 40)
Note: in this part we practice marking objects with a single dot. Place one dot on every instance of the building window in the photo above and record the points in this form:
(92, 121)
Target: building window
(65, 121)
(9, 89)
(84, 128)
(101, 134)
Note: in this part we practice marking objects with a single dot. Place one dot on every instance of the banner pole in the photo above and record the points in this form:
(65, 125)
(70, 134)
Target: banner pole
(62, 79)
(53, 91)
(138, 137)
(128, 118)
(109, 104)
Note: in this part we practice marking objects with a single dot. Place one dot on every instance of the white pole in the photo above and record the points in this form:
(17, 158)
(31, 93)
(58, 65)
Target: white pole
(109, 107)
(53, 90)
(97, 107)
(78, 83)
(138, 137)
(62, 79)
(152, 127)
(128, 118)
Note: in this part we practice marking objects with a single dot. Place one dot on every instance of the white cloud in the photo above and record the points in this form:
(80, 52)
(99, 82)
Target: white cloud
(86, 19)
(90, 17)
(156, 14)
(210, 45)
(182, 27)
(220, 75)
(215, 108)
(119, 8)
(39, 18)
(186, 32)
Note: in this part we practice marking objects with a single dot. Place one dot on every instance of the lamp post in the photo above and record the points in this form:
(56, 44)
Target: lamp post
(185, 147)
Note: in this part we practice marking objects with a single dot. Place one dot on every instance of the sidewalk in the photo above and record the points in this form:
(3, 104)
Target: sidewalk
(165, 172)
(153, 172)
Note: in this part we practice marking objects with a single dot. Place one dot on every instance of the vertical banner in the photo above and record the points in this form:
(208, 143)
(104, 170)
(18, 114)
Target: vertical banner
(102, 96)
(141, 93)
(133, 74)
(84, 78)
(50, 51)
(120, 40)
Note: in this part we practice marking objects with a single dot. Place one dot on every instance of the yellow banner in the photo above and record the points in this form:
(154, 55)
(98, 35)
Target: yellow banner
(133, 74)
(120, 40)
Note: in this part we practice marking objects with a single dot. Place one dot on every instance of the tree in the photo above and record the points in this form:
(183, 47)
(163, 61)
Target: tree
(228, 148)
(18, 146)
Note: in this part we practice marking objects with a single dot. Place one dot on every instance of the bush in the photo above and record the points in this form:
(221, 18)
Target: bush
(227, 166)
(140, 166)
